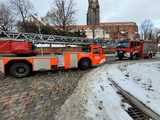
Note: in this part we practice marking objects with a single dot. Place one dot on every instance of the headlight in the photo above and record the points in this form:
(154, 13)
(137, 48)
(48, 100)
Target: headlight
(127, 54)
(102, 61)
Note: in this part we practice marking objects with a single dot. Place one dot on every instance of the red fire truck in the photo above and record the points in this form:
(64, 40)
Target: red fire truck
(136, 49)
(19, 58)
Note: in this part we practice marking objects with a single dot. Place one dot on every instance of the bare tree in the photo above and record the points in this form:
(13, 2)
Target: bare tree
(22, 8)
(147, 29)
(62, 14)
(6, 17)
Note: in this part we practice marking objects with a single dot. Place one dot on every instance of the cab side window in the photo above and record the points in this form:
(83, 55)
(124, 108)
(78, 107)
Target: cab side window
(96, 51)
(86, 49)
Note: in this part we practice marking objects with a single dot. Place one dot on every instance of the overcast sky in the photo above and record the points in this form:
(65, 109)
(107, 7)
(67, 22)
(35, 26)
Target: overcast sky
(111, 10)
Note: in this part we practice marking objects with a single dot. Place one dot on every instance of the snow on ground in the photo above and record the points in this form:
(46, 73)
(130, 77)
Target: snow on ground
(142, 80)
(96, 98)
(103, 101)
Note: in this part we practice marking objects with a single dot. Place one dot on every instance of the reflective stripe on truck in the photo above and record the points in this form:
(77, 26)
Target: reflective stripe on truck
(60, 60)
(74, 61)
(70, 60)
(42, 64)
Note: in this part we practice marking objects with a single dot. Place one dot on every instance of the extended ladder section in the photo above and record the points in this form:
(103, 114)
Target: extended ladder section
(52, 39)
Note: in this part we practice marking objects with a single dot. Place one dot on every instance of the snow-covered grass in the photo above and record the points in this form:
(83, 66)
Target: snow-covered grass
(142, 80)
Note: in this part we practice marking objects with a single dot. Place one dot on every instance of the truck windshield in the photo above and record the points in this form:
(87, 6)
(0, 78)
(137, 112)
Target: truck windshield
(122, 44)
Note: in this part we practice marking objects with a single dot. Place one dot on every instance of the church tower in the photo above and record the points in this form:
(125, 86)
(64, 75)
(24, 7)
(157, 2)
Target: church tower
(93, 15)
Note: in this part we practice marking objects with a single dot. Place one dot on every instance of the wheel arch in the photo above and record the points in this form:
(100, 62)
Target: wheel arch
(85, 58)
(136, 52)
(10, 63)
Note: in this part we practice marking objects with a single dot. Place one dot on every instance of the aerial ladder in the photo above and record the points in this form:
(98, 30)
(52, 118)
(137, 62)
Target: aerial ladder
(51, 39)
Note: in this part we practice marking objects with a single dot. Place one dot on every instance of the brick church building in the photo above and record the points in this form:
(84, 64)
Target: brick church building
(108, 30)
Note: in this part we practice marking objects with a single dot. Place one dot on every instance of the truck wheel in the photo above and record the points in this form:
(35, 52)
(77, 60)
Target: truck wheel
(135, 57)
(120, 57)
(84, 64)
(20, 70)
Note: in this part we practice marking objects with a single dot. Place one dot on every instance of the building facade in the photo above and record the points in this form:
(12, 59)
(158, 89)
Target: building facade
(110, 30)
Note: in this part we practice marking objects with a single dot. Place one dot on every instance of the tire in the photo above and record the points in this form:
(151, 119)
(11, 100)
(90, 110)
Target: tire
(135, 57)
(120, 57)
(84, 64)
(20, 70)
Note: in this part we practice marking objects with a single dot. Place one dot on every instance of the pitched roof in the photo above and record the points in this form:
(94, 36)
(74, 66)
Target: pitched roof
(118, 23)
(100, 25)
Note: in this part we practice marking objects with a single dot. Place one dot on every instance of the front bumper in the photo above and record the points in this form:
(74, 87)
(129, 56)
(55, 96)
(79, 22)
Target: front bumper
(103, 61)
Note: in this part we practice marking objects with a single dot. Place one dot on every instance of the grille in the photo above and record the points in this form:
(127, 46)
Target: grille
(137, 114)
(134, 112)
